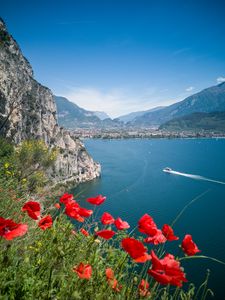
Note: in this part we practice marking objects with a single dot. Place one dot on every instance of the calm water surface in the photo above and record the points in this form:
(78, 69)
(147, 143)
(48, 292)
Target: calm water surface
(134, 183)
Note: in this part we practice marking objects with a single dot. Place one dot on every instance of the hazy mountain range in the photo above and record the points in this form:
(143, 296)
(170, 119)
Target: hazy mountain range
(132, 116)
(72, 116)
(208, 100)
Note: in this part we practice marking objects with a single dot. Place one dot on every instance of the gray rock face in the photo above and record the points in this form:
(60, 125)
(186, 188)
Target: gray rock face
(28, 111)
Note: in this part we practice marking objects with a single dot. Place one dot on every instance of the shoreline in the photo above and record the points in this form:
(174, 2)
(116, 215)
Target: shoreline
(145, 133)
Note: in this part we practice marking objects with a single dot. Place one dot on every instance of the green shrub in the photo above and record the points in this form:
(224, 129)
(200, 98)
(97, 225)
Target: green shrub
(27, 163)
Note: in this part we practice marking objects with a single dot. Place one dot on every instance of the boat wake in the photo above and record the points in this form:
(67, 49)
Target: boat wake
(196, 177)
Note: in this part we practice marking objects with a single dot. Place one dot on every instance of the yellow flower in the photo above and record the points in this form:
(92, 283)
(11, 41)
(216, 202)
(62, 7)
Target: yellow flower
(39, 244)
(6, 165)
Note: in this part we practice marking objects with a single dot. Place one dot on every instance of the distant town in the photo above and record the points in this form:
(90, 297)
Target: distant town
(141, 133)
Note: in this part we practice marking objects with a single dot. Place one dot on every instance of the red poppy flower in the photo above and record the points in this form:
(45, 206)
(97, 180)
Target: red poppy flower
(188, 246)
(112, 280)
(72, 211)
(143, 288)
(156, 239)
(109, 273)
(33, 209)
(98, 200)
(10, 230)
(120, 224)
(146, 225)
(106, 234)
(84, 232)
(167, 270)
(168, 233)
(135, 249)
(57, 205)
(83, 212)
(45, 222)
(107, 219)
(66, 198)
(83, 271)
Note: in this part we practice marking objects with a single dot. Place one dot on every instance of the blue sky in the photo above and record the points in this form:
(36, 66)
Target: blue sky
(118, 55)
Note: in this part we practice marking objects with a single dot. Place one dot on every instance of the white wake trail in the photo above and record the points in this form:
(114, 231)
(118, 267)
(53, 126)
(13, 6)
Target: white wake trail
(197, 177)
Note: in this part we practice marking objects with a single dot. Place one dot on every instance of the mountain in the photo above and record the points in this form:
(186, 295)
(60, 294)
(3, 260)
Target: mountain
(131, 116)
(28, 111)
(208, 100)
(101, 115)
(195, 122)
(72, 116)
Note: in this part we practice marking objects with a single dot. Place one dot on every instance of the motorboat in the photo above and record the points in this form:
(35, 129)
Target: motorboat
(167, 170)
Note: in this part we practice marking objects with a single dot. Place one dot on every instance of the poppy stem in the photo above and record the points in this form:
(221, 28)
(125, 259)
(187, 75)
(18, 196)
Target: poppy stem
(187, 205)
(204, 257)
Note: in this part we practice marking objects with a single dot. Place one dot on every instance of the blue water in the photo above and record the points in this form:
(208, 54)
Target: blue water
(134, 183)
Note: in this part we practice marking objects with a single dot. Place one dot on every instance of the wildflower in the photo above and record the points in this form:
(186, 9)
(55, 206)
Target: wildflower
(83, 212)
(83, 271)
(106, 234)
(57, 205)
(143, 288)
(109, 273)
(146, 225)
(6, 165)
(188, 246)
(39, 244)
(33, 209)
(112, 280)
(10, 230)
(72, 211)
(98, 200)
(66, 198)
(135, 249)
(167, 270)
(45, 222)
(168, 233)
(120, 224)
(84, 232)
(107, 219)
(156, 239)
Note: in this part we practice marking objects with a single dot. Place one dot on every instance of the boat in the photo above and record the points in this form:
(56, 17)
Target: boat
(167, 170)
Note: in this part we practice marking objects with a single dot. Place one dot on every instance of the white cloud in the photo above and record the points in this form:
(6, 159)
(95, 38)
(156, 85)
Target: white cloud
(220, 79)
(189, 89)
(114, 102)
(95, 99)
(120, 101)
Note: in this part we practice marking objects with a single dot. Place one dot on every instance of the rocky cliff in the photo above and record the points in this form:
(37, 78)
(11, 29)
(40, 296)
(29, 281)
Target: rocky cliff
(28, 111)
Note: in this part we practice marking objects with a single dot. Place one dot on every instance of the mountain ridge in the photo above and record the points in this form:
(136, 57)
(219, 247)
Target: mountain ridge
(131, 116)
(72, 116)
(208, 100)
(198, 121)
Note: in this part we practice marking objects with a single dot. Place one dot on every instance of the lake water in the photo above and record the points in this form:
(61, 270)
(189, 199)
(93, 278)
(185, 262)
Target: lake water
(134, 183)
